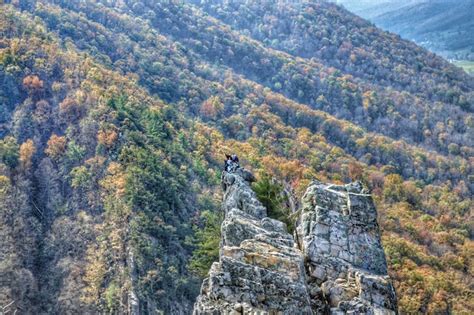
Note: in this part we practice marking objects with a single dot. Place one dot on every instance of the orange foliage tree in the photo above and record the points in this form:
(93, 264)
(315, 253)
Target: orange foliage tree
(56, 146)
(27, 150)
(212, 107)
(107, 137)
(33, 84)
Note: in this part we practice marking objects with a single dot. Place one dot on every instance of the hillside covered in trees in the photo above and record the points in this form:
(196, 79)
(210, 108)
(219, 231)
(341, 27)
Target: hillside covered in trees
(115, 117)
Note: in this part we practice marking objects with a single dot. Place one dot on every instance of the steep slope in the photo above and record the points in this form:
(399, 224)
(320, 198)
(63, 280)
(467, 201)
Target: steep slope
(95, 200)
(129, 173)
(184, 68)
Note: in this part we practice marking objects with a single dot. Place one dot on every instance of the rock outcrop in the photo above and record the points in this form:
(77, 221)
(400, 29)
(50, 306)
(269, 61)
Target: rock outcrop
(338, 266)
(259, 270)
(340, 238)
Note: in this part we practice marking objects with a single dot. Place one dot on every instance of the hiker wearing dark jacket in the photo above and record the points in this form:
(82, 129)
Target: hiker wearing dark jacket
(231, 164)
(227, 163)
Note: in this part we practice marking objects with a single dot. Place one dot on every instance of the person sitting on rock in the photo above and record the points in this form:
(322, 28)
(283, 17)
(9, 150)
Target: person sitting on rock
(227, 163)
(231, 164)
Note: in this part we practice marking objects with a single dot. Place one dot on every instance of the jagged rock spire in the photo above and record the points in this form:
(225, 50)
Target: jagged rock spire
(259, 270)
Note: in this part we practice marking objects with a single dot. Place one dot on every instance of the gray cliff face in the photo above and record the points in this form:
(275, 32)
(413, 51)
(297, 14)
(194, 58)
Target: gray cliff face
(338, 266)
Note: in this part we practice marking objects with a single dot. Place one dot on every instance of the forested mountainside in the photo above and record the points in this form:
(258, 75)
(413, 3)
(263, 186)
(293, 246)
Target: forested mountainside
(443, 26)
(115, 116)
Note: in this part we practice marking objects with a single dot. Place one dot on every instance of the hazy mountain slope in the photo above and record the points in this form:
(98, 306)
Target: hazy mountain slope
(446, 27)
(372, 8)
(331, 34)
(443, 26)
(129, 173)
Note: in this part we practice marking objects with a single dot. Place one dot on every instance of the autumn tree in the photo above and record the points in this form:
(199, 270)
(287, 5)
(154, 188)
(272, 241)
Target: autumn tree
(27, 150)
(33, 84)
(393, 188)
(212, 107)
(56, 146)
(107, 137)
